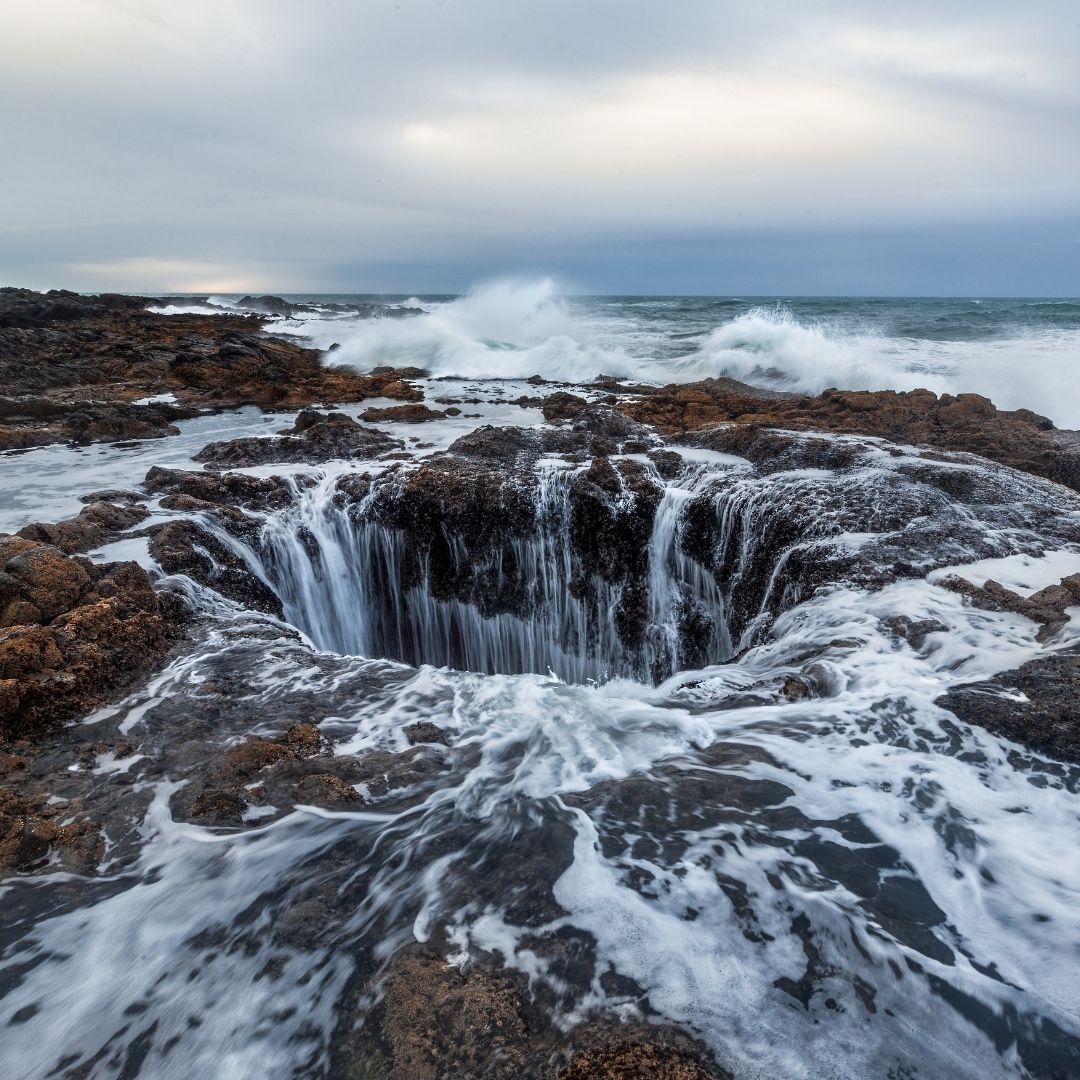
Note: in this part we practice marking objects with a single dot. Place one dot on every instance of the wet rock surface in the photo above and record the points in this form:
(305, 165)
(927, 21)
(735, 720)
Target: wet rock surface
(100, 522)
(1037, 705)
(396, 896)
(966, 422)
(402, 414)
(433, 1021)
(73, 368)
(71, 634)
(314, 438)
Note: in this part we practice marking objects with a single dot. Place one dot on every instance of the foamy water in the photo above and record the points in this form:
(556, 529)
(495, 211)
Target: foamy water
(852, 884)
(1020, 353)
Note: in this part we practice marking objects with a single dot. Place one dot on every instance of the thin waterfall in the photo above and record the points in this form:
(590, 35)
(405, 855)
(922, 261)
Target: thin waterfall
(525, 602)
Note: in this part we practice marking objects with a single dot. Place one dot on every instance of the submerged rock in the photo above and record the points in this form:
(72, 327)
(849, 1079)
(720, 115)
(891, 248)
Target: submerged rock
(31, 830)
(434, 1021)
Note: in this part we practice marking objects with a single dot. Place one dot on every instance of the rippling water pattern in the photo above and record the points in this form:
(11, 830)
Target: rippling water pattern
(843, 882)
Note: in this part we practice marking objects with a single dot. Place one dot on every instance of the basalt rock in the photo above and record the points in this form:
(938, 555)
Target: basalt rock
(98, 523)
(186, 547)
(1045, 607)
(433, 1020)
(402, 414)
(72, 634)
(965, 422)
(1037, 705)
(222, 489)
(270, 776)
(74, 366)
(32, 830)
(314, 438)
(29, 422)
(637, 1060)
(276, 305)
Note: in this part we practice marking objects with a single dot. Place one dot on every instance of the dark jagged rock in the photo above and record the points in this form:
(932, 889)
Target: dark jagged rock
(424, 731)
(1037, 705)
(1046, 607)
(28, 422)
(185, 547)
(315, 438)
(273, 305)
(276, 305)
(100, 522)
(402, 414)
(223, 489)
(73, 367)
(966, 422)
(72, 634)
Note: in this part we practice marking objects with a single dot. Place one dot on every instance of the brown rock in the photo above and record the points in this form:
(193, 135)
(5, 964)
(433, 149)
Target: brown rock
(325, 789)
(305, 740)
(254, 754)
(637, 1061)
(424, 731)
(965, 422)
(439, 1023)
(403, 414)
(30, 831)
(73, 634)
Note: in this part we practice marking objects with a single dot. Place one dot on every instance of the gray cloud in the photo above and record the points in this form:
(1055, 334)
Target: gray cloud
(418, 145)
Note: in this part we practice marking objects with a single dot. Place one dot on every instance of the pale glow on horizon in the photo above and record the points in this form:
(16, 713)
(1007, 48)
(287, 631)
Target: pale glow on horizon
(144, 273)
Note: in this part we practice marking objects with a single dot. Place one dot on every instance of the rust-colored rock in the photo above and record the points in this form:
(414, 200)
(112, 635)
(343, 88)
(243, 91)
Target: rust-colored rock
(637, 1061)
(305, 740)
(73, 633)
(254, 754)
(964, 422)
(325, 789)
(402, 414)
(31, 831)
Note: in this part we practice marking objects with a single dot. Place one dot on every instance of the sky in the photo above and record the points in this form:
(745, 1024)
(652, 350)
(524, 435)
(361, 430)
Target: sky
(623, 146)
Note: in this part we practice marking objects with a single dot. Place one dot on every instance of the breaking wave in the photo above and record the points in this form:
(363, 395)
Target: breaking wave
(512, 329)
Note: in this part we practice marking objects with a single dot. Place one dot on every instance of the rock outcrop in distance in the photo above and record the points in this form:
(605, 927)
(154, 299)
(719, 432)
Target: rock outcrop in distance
(79, 368)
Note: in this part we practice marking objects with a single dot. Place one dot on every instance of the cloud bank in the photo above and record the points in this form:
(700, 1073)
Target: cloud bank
(630, 146)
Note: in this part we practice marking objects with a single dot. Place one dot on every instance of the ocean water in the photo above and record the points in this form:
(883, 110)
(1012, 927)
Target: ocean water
(1022, 353)
(852, 884)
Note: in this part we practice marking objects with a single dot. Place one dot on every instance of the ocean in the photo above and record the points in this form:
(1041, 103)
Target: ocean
(1021, 353)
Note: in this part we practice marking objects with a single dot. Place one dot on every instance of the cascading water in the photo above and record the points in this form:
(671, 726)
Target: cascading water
(339, 573)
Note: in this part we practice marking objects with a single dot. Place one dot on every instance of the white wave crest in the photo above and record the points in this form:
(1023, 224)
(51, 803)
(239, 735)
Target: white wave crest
(512, 329)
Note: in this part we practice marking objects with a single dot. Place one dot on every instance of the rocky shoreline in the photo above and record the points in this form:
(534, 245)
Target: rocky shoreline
(77, 633)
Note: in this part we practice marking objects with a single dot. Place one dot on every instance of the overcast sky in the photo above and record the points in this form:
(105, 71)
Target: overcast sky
(624, 146)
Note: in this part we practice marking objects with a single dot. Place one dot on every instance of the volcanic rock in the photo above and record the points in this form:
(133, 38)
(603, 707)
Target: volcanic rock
(98, 523)
(73, 367)
(1037, 705)
(314, 438)
(72, 634)
(966, 422)
(402, 414)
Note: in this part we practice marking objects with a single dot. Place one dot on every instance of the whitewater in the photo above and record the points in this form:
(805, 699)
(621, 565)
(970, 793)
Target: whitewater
(845, 881)
(1021, 353)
